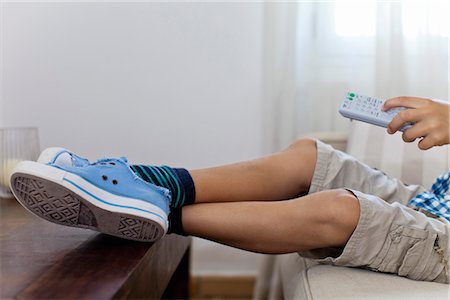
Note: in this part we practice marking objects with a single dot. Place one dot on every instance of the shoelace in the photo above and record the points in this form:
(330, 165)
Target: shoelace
(437, 200)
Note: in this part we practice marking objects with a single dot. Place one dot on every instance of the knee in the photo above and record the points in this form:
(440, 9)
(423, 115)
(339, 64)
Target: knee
(342, 210)
(303, 144)
(304, 149)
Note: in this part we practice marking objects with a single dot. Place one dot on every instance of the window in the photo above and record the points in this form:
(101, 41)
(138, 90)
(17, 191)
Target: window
(426, 17)
(355, 18)
(419, 17)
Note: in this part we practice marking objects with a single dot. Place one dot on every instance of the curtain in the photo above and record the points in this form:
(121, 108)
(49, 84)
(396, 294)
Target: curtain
(315, 52)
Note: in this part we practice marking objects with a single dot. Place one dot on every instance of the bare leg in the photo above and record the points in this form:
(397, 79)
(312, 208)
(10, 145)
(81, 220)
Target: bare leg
(280, 176)
(324, 219)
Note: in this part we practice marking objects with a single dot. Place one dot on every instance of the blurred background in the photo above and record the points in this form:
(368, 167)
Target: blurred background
(197, 84)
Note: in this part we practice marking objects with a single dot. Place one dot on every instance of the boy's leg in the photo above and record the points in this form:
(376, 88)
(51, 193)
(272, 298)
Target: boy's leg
(335, 227)
(322, 220)
(307, 166)
(364, 230)
(284, 175)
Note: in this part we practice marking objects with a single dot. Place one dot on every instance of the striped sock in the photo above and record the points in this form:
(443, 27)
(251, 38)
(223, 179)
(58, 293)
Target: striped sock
(178, 181)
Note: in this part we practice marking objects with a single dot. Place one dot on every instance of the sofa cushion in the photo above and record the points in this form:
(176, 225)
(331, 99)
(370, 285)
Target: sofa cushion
(304, 279)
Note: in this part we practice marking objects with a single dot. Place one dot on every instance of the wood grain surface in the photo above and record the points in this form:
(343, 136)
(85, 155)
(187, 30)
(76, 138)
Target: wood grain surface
(42, 260)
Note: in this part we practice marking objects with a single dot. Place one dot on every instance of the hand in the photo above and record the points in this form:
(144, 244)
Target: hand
(430, 118)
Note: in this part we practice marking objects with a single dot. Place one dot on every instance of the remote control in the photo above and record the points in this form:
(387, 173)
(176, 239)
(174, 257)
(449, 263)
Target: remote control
(368, 109)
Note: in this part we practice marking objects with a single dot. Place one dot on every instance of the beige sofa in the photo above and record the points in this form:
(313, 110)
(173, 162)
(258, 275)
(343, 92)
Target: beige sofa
(293, 277)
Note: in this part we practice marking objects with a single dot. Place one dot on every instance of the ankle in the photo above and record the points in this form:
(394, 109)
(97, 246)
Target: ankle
(175, 221)
(177, 180)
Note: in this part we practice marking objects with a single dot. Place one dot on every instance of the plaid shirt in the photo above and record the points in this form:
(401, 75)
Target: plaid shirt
(436, 201)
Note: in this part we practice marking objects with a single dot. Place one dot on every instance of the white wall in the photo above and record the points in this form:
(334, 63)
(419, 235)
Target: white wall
(162, 83)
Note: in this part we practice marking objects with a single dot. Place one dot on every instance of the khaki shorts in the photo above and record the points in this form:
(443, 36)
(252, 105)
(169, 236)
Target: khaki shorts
(390, 237)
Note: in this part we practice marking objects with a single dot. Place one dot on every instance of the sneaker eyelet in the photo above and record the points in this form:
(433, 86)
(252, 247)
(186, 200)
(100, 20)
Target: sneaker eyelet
(104, 177)
(112, 163)
(114, 181)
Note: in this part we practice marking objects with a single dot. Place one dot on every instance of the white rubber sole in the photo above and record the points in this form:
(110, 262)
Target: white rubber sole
(67, 199)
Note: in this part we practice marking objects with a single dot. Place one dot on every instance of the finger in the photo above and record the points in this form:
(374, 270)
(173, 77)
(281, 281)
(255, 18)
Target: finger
(426, 143)
(407, 139)
(403, 117)
(409, 102)
(418, 130)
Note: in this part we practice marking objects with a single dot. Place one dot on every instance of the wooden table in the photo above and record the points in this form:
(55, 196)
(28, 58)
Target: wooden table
(42, 260)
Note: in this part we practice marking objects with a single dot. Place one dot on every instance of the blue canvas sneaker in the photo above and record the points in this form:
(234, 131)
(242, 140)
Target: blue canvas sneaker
(61, 157)
(106, 196)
